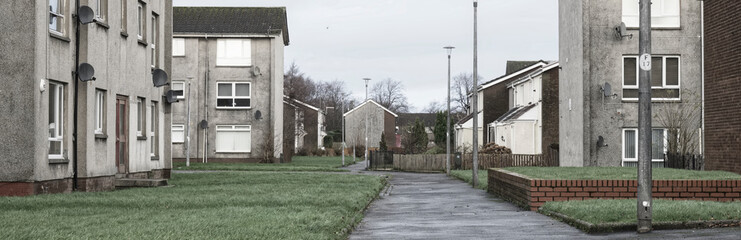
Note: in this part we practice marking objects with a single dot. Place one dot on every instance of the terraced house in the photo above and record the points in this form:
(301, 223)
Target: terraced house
(598, 92)
(79, 106)
(228, 62)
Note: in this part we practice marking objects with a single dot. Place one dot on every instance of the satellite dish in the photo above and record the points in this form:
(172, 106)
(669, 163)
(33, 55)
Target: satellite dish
(85, 14)
(171, 97)
(607, 90)
(258, 115)
(86, 72)
(601, 142)
(203, 124)
(159, 77)
(255, 71)
(621, 31)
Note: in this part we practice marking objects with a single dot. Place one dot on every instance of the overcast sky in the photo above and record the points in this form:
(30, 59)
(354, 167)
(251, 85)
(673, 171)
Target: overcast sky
(349, 40)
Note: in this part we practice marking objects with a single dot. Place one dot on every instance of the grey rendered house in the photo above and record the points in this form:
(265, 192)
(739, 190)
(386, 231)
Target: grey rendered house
(63, 132)
(594, 52)
(381, 121)
(310, 126)
(229, 63)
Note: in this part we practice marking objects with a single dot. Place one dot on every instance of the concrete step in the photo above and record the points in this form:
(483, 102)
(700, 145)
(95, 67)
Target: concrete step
(136, 182)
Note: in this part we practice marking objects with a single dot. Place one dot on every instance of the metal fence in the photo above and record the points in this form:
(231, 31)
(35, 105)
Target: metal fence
(381, 160)
(689, 161)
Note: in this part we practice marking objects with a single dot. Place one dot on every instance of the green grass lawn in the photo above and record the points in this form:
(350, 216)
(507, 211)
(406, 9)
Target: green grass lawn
(299, 164)
(618, 173)
(226, 205)
(624, 211)
(467, 175)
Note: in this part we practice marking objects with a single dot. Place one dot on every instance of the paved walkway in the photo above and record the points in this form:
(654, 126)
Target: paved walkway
(434, 206)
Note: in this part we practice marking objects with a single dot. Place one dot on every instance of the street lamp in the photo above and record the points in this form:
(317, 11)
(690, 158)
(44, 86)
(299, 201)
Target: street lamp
(449, 49)
(475, 167)
(366, 121)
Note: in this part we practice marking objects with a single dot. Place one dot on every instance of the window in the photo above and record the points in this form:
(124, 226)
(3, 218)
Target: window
(664, 13)
(664, 78)
(630, 145)
(153, 129)
(56, 120)
(141, 20)
(234, 139)
(57, 19)
(178, 88)
(101, 9)
(178, 133)
(233, 95)
(178, 47)
(155, 35)
(123, 16)
(140, 117)
(233, 52)
(99, 111)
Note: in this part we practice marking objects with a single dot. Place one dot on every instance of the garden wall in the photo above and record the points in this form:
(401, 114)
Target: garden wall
(532, 193)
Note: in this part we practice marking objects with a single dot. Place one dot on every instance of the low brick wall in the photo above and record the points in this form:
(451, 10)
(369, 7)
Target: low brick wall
(531, 193)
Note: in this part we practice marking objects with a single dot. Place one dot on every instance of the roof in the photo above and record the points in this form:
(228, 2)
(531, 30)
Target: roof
(511, 75)
(231, 20)
(370, 101)
(537, 72)
(514, 113)
(406, 119)
(466, 118)
(514, 66)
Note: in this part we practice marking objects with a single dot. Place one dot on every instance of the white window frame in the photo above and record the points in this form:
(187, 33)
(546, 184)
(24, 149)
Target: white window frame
(178, 47)
(60, 15)
(661, 15)
(181, 96)
(233, 128)
(58, 109)
(226, 58)
(153, 44)
(664, 85)
(124, 10)
(177, 128)
(141, 20)
(140, 117)
(153, 129)
(633, 160)
(234, 96)
(101, 9)
(99, 111)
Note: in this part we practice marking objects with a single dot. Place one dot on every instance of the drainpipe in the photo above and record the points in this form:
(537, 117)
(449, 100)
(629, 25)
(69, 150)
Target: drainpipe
(702, 70)
(76, 78)
(205, 101)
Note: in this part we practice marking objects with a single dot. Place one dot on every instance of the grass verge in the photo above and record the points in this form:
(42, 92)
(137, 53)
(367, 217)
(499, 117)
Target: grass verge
(299, 164)
(611, 215)
(618, 173)
(226, 205)
(467, 176)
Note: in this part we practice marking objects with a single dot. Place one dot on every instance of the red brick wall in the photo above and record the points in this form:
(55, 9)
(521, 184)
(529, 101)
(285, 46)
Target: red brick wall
(32, 188)
(722, 80)
(532, 194)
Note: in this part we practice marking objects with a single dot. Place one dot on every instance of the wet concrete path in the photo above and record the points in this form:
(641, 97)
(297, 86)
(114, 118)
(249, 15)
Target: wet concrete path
(434, 206)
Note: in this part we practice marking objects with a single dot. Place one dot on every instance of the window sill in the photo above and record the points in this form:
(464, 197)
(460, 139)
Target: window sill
(178, 56)
(232, 152)
(155, 158)
(233, 66)
(142, 42)
(60, 37)
(102, 136)
(234, 108)
(58, 160)
(178, 142)
(141, 137)
(102, 23)
(124, 34)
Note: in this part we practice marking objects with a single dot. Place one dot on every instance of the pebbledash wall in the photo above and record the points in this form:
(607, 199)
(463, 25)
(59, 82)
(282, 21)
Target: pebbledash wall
(722, 101)
(37, 102)
(533, 193)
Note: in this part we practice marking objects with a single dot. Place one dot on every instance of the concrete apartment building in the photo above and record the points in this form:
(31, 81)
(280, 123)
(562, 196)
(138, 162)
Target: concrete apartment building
(722, 100)
(531, 124)
(594, 52)
(62, 132)
(229, 63)
(380, 121)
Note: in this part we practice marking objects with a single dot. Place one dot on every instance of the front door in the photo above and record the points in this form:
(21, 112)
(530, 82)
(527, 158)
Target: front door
(122, 129)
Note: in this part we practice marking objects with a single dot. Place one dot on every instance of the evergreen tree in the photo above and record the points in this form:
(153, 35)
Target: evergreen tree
(440, 128)
(382, 144)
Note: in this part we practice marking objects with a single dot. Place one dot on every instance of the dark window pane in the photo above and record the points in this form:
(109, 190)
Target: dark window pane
(657, 72)
(664, 93)
(242, 102)
(242, 90)
(629, 71)
(224, 103)
(630, 144)
(630, 93)
(225, 90)
(672, 71)
(657, 144)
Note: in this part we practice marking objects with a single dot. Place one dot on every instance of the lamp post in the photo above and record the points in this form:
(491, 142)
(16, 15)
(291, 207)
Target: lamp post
(366, 122)
(449, 49)
(475, 167)
(644, 204)
(187, 128)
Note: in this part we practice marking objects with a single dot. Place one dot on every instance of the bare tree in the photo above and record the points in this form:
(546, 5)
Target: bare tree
(681, 122)
(462, 87)
(332, 94)
(390, 94)
(297, 85)
(434, 107)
